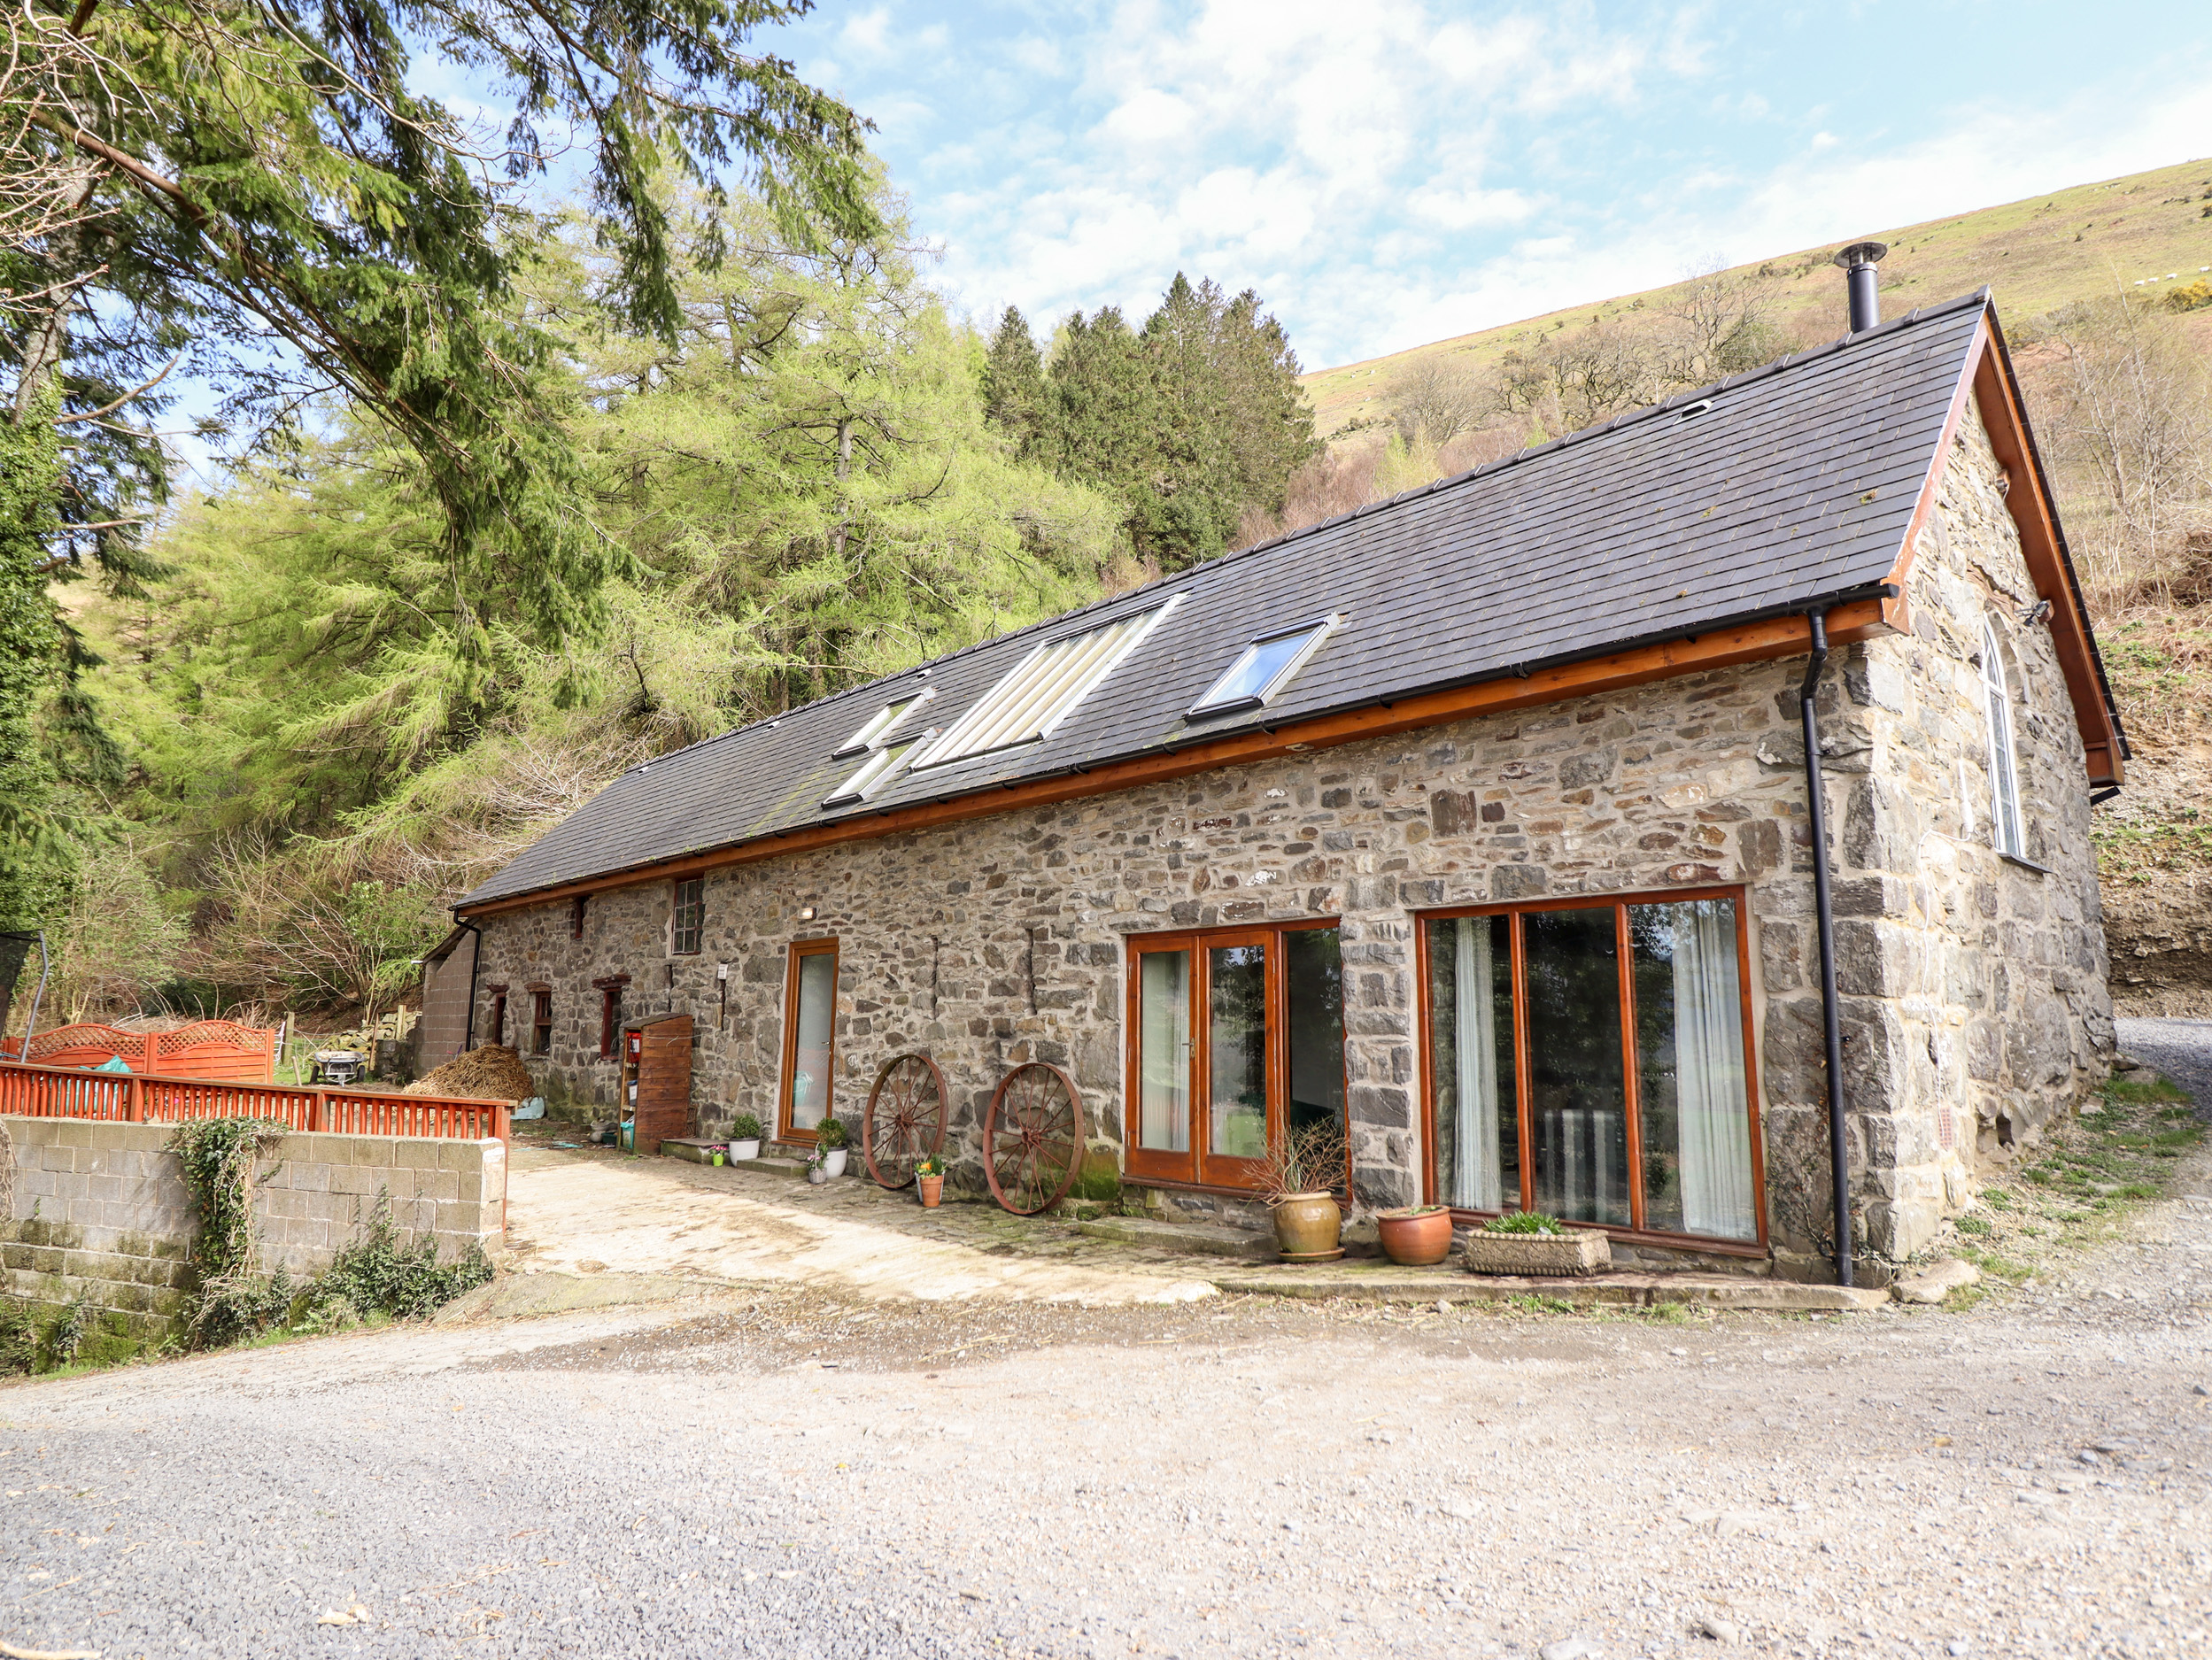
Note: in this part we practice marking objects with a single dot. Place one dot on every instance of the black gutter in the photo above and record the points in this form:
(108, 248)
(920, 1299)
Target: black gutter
(1839, 1148)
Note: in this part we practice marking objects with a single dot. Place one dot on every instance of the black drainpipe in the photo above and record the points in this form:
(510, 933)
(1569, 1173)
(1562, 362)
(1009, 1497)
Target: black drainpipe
(476, 962)
(1816, 803)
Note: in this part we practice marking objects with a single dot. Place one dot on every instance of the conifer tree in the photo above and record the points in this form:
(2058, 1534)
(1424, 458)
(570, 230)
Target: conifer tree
(1014, 384)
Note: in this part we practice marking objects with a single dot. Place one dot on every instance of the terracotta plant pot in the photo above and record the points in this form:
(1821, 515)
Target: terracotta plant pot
(1415, 1237)
(932, 1190)
(1308, 1226)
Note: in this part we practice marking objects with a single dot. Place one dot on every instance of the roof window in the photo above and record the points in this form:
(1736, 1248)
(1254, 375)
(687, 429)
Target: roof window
(1264, 668)
(881, 724)
(1042, 691)
(873, 773)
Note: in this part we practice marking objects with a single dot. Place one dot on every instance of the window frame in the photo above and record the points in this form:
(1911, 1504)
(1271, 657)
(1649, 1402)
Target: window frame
(499, 1014)
(885, 763)
(2008, 822)
(610, 989)
(677, 908)
(882, 724)
(1636, 1233)
(946, 749)
(796, 955)
(541, 1020)
(1199, 1168)
(1319, 628)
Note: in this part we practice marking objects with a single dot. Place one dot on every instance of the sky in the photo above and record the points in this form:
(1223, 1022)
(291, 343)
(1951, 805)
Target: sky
(1390, 174)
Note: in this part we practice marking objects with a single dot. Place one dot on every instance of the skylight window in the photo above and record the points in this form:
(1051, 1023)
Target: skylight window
(1042, 692)
(881, 724)
(1264, 668)
(874, 773)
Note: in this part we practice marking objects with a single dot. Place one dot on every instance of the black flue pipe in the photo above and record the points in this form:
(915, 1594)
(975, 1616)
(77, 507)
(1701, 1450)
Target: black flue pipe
(1862, 283)
(1824, 904)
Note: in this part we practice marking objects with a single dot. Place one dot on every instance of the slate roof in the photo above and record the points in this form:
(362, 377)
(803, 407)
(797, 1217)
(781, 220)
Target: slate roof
(1789, 484)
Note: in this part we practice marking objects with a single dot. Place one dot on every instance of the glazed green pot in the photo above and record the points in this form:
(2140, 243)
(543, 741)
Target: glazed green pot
(1307, 1225)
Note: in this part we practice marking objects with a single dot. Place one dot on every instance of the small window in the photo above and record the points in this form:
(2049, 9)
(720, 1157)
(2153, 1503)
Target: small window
(2004, 769)
(690, 918)
(874, 773)
(576, 916)
(541, 1021)
(1265, 669)
(882, 724)
(610, 991)
(1042, 692)
(498, 1016)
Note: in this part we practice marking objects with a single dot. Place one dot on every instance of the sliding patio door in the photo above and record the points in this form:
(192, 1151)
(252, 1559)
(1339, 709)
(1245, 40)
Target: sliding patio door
(1590, 1060)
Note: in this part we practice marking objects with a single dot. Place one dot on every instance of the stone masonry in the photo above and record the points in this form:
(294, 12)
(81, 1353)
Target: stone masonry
(1972, 989)
(99, 1209)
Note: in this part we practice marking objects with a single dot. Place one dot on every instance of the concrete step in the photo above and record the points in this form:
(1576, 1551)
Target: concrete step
(1385, 1282)
(793, 1170)
(1182, 1239)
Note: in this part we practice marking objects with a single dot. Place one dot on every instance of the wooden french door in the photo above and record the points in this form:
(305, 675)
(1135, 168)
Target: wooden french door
(1220, 1029)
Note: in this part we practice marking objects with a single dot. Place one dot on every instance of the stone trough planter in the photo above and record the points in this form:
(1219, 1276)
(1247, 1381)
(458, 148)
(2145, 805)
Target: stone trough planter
(1560, 1255)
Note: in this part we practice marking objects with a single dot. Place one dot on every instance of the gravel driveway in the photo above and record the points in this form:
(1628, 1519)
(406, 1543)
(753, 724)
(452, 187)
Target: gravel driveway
(2182, 1049)
(782, 1473)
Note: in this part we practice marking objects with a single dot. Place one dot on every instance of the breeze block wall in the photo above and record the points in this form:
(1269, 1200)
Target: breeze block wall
(100, 1209)
(1969, 987)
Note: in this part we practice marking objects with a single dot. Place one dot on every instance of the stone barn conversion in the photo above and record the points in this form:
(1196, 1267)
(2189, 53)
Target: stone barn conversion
(1479, 818)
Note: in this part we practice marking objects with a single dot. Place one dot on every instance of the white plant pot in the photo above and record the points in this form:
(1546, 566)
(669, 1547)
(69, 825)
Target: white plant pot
(744, 1150)
(833, 1161)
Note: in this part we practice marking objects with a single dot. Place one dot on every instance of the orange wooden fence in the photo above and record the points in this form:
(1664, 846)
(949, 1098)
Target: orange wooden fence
(206, 1048)
(52, 1092)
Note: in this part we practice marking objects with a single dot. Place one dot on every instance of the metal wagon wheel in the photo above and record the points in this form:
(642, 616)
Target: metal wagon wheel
(905, 1119)
(1032, 1138)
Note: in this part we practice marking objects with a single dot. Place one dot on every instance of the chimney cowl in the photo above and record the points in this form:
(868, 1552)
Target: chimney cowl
(1862, 283)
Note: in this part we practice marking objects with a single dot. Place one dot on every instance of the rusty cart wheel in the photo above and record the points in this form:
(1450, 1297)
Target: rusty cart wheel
(1032, 1138)
(905, 1119)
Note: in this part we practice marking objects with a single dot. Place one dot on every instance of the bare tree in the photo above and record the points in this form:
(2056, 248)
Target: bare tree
(2129, 422)
(1568, 382)
(1440, 394)
(1718, 323)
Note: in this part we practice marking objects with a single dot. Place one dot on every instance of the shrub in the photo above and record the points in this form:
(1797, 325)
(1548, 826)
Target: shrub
(1523, 1221)
(378, 1275)
(830, 1134)
(745, 1127)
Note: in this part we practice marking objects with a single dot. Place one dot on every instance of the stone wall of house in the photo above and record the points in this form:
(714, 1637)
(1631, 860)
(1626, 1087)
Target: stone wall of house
(1976, 986)
(1002, 939)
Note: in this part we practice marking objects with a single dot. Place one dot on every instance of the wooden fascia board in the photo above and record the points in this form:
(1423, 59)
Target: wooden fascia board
(1755, 642)
(1987, 379)
(2028, 499)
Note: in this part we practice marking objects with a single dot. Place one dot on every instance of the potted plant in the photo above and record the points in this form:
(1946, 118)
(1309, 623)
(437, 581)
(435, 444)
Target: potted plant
(818, 1166)
(830, 1140)
(1299, 1177)
(1528, 1242)
(929, 1177)
(744, 1137)
(1416, 1235)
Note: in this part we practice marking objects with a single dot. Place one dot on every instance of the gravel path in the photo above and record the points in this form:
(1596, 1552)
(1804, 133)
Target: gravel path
(2182, 1049)
(788, 1472)
(784, 1474)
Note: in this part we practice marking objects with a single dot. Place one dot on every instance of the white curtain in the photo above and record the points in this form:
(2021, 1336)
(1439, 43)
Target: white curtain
(1715, 1122)
(1475, 1162)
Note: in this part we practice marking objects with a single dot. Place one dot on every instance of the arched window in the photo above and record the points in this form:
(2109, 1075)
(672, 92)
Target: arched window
(2004, 770)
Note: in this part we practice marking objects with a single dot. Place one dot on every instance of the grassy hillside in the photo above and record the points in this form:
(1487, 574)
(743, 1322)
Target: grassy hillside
(2037, 254)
